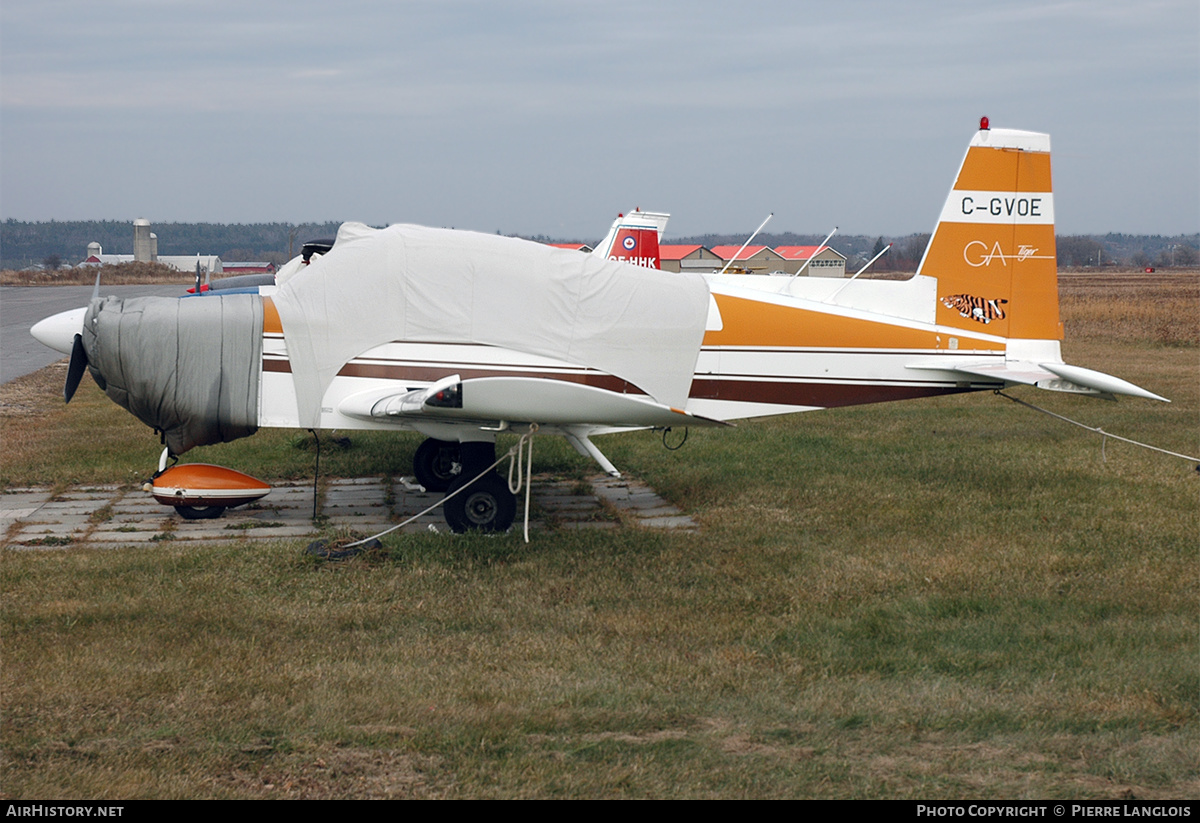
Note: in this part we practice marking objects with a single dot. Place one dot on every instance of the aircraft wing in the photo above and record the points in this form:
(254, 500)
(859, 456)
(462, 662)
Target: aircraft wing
(1051, 376)
(518, 400)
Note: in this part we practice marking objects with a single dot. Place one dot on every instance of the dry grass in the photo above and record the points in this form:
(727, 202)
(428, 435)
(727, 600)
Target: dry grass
(49, 443)
(1161, 308)
(119, 274)
(30, 396)
(946, 599)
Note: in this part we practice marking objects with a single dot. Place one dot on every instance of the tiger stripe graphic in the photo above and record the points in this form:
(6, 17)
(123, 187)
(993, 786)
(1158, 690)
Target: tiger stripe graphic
(979, 309)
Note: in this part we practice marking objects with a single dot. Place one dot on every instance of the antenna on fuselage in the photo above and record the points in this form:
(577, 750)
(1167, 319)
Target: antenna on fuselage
(882, 252)
(815, 253)
(747, 243)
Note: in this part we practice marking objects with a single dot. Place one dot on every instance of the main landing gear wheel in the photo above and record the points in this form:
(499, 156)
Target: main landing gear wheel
(200, 512)
(436, 464)
(486, 506)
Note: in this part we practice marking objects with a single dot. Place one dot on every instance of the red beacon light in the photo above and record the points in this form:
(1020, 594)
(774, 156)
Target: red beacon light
(984, 125)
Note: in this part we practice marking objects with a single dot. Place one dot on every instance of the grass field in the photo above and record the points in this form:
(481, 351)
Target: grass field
(934, 599)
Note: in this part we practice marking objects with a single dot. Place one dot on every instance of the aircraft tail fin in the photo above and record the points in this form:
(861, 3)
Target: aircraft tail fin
(993, 251)
(994, 259)
(634, 238)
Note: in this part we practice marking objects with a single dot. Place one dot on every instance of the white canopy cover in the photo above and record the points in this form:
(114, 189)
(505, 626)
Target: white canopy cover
(416, 284)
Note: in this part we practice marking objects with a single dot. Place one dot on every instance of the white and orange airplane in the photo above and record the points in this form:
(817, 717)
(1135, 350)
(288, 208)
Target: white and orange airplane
(459, 336)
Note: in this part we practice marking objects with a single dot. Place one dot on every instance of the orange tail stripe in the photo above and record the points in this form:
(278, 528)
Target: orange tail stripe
(988, 169)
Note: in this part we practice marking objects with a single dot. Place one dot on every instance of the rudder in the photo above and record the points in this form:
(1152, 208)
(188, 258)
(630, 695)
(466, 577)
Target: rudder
(993, 252)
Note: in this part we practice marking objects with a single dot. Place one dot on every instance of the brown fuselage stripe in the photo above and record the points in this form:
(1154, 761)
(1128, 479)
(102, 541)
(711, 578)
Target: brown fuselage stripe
(825, 395)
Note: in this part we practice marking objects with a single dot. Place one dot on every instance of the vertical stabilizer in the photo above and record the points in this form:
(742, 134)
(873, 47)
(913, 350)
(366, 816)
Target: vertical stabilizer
(634, 237)
(993, 251)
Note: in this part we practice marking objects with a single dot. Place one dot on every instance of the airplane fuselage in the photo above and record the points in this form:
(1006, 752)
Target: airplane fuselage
(772, 346)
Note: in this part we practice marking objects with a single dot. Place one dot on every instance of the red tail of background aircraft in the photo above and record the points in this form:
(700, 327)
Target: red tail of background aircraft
(634, 237)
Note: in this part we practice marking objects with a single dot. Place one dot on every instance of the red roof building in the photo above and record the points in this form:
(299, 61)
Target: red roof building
(249, 268)
(688, 258)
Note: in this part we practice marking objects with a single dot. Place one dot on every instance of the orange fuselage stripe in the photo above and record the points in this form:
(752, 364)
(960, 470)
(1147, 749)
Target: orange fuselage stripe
(754, 323)
(271, 322)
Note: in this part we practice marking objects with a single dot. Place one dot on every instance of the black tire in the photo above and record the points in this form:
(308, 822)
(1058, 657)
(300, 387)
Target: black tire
(200, 512)
(486, 506)
(436, 464)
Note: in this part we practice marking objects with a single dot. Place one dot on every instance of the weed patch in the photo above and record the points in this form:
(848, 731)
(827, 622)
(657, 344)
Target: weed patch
(50, 541)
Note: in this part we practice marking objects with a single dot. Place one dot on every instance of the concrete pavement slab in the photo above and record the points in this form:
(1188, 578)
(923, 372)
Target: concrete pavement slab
(110, 516)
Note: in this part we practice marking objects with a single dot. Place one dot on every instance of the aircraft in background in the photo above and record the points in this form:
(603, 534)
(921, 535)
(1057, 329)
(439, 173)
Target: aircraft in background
(634, 238)
(459, 336)
(254, 283)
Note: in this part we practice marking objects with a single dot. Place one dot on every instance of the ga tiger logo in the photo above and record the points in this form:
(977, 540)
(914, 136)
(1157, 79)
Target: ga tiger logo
(978, 309)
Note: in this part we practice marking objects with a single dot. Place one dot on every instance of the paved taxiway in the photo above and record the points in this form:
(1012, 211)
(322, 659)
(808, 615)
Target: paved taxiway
(22, 306)
(109, 516)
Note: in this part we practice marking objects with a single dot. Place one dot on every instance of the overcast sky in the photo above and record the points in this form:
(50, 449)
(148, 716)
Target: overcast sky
(550, 117)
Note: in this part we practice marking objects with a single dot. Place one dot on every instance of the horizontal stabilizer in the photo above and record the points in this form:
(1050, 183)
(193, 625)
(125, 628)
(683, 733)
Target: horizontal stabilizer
(1049, 376)
(519, 400)
(1100, 381)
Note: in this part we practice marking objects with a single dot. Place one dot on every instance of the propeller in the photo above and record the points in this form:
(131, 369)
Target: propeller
(79, 358)
(79, 361)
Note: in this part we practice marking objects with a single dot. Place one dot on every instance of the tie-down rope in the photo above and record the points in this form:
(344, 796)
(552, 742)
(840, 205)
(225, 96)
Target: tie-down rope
(1096, 430)
(522, 450)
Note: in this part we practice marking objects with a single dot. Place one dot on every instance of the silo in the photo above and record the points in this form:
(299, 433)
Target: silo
(141, 241)
(153, 247)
